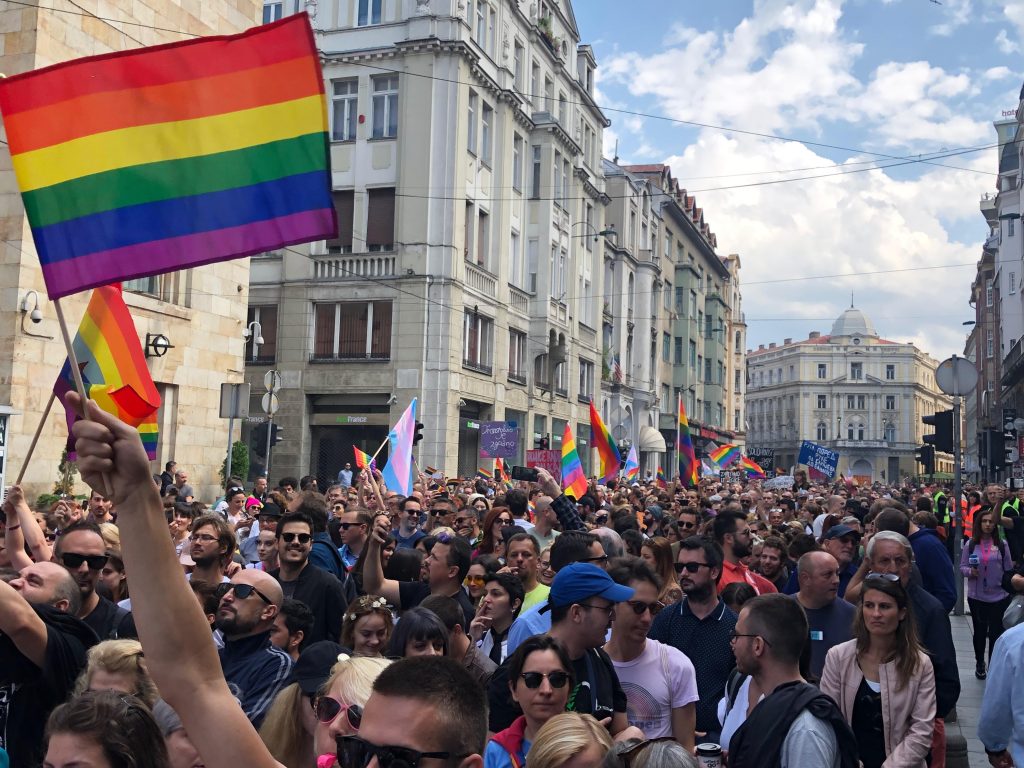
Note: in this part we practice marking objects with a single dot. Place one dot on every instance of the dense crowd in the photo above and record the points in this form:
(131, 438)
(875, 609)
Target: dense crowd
(474, 623)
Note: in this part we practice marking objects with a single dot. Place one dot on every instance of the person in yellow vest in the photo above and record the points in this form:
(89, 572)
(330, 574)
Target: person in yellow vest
(1010, 519)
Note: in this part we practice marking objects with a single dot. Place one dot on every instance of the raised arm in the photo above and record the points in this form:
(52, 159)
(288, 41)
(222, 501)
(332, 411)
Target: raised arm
(22, 624)
(170, 622)
(374, 582)
(25, 526)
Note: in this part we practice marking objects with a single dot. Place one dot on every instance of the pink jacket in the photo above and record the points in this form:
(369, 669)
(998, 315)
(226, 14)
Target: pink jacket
(908, 715)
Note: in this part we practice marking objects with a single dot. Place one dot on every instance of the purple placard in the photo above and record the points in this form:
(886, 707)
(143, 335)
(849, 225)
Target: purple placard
(499, 439)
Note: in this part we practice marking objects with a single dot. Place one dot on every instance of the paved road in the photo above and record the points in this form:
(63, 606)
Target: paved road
(971, 690)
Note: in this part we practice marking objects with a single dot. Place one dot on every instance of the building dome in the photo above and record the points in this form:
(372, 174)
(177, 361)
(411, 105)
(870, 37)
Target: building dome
(853, 322)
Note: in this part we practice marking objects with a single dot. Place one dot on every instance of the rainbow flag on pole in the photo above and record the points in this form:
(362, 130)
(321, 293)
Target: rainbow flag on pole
(145, 161)
(608, 453)
(573, 480)
(113, 368)
(501, 473)
(632, 469)
(688, 469)
(752, 468)
(485, 473)
(398, 472)
(661, 481)
(364, 460)
(726, 455)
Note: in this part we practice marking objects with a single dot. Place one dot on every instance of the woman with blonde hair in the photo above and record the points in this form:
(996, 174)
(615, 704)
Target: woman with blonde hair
(570, 736)
(657, 552)
(339, 706)
(367, 626)
(117, 665)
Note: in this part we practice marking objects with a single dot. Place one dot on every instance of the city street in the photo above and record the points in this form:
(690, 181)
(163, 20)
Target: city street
(971, 691)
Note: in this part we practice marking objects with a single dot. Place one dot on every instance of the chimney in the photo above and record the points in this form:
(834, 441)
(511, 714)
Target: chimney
(814, 335)
(771, 345)
(788, 341)
(760, 347)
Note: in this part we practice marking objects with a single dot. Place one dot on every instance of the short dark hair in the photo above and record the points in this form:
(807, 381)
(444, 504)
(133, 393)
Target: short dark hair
(314, 505)
(523, 536)
(512, 585)
(892, 519)
(532, 644)
(81, 525)
(288, 480)
(517, 502)
(725, 523)
(120, 723)
(207, 594)
(781, 621)
(307, 482)
(571, 547)
(406, 500)
(417, 624)
(775, 542)
(293, 517)
(225, 533)
(713, 554)
(297, 618)
(458, 554)
(623, 570)
(447, 689)
(447, 610)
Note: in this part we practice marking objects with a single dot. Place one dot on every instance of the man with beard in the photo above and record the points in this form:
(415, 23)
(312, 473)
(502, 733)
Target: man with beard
(522, 555)
(772, 562)
(213, 541)
(700, 625)
(301, 580)
(467, 525)
(100, 508)
(732, 533)
(82, 552)
(42, 651)
(254, 668)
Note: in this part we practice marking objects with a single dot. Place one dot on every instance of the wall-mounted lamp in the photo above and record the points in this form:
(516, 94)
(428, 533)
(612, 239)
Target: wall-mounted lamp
(157, 345)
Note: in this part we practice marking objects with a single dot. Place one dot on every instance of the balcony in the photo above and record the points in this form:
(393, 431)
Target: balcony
(861, 444)
(353, 266)
(475, 365)
(481, 280)
(350, 357)
(517, 378)
(519, 300)
(987, 204)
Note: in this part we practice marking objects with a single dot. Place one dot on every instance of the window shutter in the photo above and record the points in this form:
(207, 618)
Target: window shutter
(380, 218)
(343, 207)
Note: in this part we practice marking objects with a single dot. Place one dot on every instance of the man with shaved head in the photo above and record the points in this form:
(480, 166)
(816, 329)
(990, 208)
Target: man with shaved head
(252, 665)
(830, 618)
(42, 650)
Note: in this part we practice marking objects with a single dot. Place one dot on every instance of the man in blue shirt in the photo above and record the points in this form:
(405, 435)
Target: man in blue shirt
(1001, 723)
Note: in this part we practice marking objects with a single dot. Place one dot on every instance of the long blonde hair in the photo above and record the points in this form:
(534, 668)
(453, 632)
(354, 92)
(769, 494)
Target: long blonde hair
(119, 657)
(564, 736)
(282, 730)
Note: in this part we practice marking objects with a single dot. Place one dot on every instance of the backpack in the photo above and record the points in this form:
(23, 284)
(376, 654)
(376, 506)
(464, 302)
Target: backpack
(732, 687)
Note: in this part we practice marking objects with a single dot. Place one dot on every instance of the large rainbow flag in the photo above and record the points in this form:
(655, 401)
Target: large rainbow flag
(151, 160)
(725, 455)
(688, 470)
(752, 468)
(113, 368)
(608, 453)
(573, 480)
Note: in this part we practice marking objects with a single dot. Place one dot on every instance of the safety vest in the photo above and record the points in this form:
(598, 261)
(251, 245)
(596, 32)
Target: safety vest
(969, 519)
(943, 516)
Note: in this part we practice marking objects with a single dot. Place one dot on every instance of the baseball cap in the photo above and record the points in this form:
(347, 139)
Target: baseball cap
(578, 581)
(838, 531)
(270, 509)
(314, 665)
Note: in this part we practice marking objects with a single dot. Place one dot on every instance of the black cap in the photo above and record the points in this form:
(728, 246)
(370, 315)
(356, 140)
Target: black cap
(270, 509)
(314, 665)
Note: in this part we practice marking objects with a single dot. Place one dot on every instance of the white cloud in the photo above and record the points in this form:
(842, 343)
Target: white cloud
(997, 73)
(957, 13)
(1005, 44)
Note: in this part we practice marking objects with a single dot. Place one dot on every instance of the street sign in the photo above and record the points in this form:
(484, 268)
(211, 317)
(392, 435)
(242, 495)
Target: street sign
(234, 401)
(270, 403)
(956, 376)
(272, 381)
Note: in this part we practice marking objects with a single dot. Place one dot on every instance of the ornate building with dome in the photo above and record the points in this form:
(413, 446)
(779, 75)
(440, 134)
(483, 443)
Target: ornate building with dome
(851, 391)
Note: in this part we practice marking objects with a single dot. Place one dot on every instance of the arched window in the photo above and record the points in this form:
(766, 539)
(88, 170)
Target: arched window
(822, 433)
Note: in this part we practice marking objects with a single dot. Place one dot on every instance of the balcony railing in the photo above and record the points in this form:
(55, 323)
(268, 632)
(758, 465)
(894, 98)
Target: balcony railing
(519, 300)
(477, 366)
(350, 357)
(353, 266)
(481, 280)
(517, 378)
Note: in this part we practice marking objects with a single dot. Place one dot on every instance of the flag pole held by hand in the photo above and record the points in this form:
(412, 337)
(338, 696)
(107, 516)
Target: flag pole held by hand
(35, 438)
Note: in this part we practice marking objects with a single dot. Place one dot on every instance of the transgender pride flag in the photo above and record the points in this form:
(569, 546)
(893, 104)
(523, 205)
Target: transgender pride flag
(398, 472)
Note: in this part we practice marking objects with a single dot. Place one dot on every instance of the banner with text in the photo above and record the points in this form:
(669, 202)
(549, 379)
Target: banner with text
(819, 458)
(765, 458)
(549, 460)
(499, 439)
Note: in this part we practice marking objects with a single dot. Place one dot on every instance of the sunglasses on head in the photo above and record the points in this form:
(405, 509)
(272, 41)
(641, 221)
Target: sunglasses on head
(75, 560)
(304, 538)
(882, 576)
(354, 752)
(689, 567)
(242, 592)
(533, 680)
(327, 709)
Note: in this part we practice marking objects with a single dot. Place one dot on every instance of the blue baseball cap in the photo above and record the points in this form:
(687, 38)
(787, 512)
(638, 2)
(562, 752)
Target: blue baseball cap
(578, 581)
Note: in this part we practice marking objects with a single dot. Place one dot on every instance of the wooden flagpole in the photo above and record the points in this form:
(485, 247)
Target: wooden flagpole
(381, 448)
(35, 438)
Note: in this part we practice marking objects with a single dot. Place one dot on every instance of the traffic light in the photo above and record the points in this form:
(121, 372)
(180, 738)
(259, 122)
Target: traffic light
(258, 439)
(925, 456)
(996, 449)
(417, 434)
(943, 437)
(275, 434)
(541, 443)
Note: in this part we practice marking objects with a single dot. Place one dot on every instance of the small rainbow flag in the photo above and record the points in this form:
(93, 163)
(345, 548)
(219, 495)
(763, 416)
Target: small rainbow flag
(726, 455)
(364, 460)
(573, 480)
(688, 469)
(485, 473)
(632, 469)
(662, 481)
(608, 453)
(752, 468)
(398, 471)
(145, 161)
(501, 473)
(113, 368)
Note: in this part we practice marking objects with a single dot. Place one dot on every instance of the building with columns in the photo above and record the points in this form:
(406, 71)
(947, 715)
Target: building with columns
(851, 391)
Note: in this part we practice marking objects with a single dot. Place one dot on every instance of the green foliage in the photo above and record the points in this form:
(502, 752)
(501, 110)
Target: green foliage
(66, 472)
(239, 462)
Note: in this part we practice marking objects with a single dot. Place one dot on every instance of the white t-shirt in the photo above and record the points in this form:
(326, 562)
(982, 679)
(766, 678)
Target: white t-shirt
(819, 523)
(735, 717)
(655, 682)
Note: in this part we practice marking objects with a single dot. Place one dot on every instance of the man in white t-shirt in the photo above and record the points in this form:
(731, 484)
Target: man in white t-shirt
(659, 680)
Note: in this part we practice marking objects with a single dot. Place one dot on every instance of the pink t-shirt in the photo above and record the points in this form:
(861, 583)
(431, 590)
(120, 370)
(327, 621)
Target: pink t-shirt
(655, 682)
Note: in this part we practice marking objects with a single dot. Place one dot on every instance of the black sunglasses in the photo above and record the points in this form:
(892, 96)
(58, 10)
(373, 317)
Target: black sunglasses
(598, 559)
(242, 592)
(343, 526)
(75, 560)
(533, 680)
(354, 752)
(639, 607)
(304, 538)
(689, 567)
(327, 709)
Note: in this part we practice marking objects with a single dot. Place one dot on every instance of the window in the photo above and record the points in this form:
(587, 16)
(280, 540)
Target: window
(666, 347)
(1013, 279)
(890, 402)
(380, 219)
(385, 107)
(469, 235)
(556, 173)
(693, 305)
(989, 345)
(822, 401)
(517, 265)
(792, 374)
(692, 354)
(860, 402)
(486, 129)
(563, 112)
(535, 93)
(566, 176)
(822, 371)
(352, 331)
(588, 217)
(478, 340)
(517, 356)
(474, 106)
(890, 432)
(1009, 227)
(667, 297)
(266, 352)
(369, 12)
(890, 372)
(679, 300)
(849, 402)
(483, 237)
(586, 379)
(517, 66)
(517, 162)
(700, 368)
(344, 109)
(481, 23)
(344, 201)
(737, 380)
(549, 95)
(272, 12)
(821, 434)
(988, 293)
(533, 250)
(857, 371)
(535, 182)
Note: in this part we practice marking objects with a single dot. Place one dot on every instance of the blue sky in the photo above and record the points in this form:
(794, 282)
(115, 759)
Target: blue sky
(897, 77)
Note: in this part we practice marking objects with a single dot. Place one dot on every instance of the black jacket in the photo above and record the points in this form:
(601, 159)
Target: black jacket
(937, 637)
(324, 596)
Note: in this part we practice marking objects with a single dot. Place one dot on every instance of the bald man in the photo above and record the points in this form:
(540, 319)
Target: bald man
(829, 617)
(252, 666)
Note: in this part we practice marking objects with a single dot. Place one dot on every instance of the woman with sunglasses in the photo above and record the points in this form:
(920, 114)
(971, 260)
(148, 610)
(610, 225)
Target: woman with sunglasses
(367, 626)
(477, 574)
(491, 541)
(657, 553)
(883, 680)
(339, 706)
(540, 678)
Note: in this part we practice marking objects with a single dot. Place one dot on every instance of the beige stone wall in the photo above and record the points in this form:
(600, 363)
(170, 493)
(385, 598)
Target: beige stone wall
(205, 319)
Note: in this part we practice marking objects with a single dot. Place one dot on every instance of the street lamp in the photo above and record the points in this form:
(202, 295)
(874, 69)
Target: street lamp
(839, 427)
(607, 232)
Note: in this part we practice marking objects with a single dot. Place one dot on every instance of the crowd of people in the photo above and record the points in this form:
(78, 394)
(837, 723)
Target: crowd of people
(475, 623)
